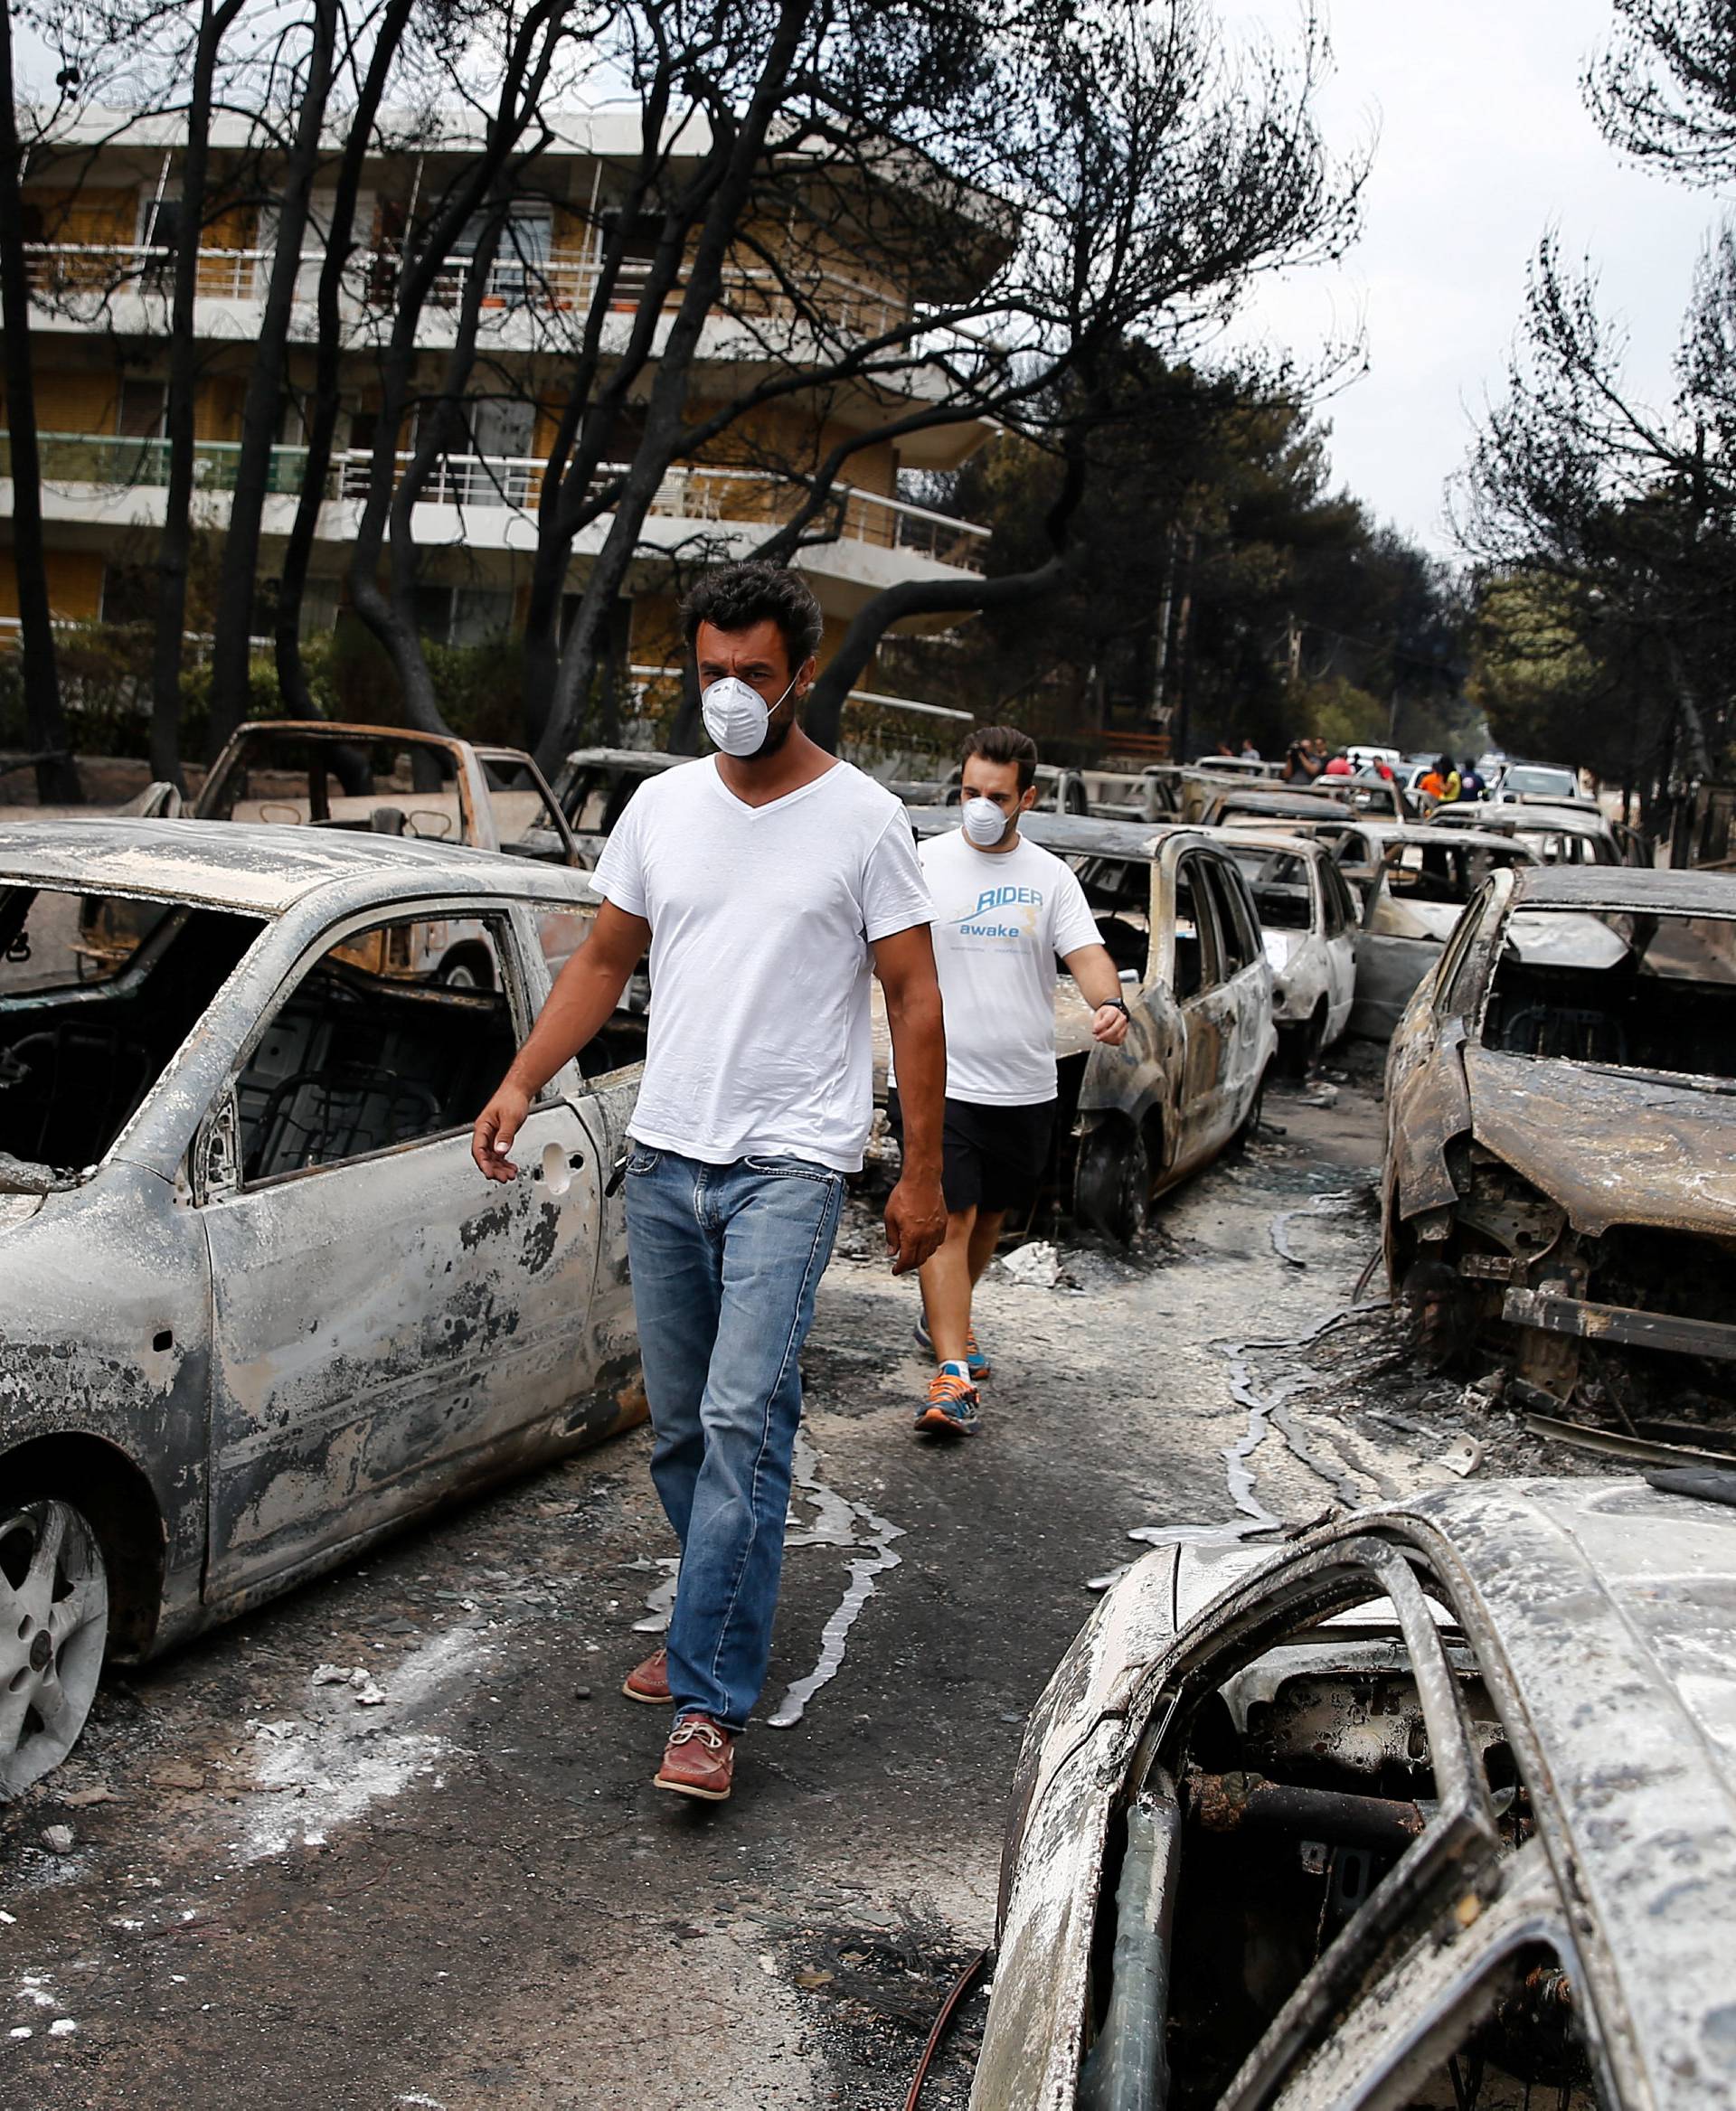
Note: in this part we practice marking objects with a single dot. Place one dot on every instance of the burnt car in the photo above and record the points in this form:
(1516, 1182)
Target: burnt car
(1414, 880)
(369, 780)
(1554, 832)
(1433, 1807)
(595, 785)
(1182, 929)
(1214, 804)
(387, 781)
(1059, 790)
(1309, 919)
(1560, 1164)
(260, 1307)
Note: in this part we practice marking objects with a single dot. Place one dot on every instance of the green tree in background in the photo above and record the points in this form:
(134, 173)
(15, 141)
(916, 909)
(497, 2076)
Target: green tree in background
(1218, 587)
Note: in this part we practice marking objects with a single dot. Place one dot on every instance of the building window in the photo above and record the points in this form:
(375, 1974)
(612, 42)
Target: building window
(519, 272)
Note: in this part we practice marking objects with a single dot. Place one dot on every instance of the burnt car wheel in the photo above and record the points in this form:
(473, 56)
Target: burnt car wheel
(1112, 1189)
(53, 1630)
(1299, 1047)
(1439, 1314)
(1250, 1122)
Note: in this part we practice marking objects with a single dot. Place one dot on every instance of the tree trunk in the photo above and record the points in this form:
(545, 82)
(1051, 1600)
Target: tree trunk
(683, 733)
(174, 547)
(823, 718)
(327, 400)
(57, 780)
(665, 422)
(231, 643)
(488, 182)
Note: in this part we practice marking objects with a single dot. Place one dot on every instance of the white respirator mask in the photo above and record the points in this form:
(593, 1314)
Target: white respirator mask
(737, 717)
(983, 822)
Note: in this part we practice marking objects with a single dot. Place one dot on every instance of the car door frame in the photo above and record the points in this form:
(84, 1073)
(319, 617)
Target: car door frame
(1207, 1017)
(1339, 947)
(216, 1184)
(1427, 1096)
(1254, 1037)
(1141, 1078)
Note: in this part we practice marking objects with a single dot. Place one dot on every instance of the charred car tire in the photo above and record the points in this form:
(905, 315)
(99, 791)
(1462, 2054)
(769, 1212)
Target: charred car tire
(1439, 1309)
(1299, 1047)
(54, 1631)
(1112, 1188)
(1250, 1122)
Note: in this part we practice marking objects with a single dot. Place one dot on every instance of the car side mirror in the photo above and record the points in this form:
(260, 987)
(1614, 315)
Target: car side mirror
(217, 1151)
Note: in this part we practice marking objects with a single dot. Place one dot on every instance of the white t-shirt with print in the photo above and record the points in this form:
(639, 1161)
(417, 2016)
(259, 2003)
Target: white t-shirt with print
(1001, 918)
(761, 918)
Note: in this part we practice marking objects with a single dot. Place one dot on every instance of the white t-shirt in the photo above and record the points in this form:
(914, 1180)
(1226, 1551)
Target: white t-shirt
(1000, 918)
(761, 918)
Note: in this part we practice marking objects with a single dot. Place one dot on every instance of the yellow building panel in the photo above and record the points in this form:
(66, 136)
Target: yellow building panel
(550, 411)
(654, 635)
(82, 399)
(570, 259)
(101, 215)
(217, 409)
(74, 585)
(227, 268)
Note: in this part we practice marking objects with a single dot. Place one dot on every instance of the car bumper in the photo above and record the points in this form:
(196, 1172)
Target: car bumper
(1557, 1314)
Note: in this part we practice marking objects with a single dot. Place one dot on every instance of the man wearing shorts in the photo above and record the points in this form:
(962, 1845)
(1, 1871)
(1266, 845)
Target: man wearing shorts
(1004, 909)
(768, 881)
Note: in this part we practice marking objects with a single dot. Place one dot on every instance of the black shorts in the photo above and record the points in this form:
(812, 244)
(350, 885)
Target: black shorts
(991, 1157)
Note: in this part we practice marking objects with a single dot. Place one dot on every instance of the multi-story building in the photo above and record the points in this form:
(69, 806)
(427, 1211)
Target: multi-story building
(101, 258)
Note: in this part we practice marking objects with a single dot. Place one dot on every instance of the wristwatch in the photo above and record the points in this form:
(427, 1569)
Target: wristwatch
(1117, 1005)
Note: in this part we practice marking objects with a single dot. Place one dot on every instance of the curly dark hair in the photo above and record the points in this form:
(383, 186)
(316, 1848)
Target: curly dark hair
(735, 596)
(1003, 744)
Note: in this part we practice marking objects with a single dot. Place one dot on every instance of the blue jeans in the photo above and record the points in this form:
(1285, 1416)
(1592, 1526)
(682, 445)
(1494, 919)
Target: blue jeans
(726, 1261)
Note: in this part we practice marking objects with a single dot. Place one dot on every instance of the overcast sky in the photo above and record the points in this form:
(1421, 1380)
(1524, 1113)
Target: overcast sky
(1484, 143)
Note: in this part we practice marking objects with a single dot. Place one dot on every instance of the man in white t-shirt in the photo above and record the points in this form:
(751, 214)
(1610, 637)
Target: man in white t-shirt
(1004, 909)
(769, 881)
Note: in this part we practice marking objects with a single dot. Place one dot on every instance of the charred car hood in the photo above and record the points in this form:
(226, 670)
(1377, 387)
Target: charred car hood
(1610, 1149)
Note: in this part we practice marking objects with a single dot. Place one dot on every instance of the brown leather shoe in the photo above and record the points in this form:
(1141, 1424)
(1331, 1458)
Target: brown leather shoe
(649, 1681)
(699, 1760)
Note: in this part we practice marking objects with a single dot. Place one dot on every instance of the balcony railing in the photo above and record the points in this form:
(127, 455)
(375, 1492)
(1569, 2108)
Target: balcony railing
(197, 643)
(115, 458)
(59, 269)
(562, 282)
(699, 492)
(691, 493)
(75, 270)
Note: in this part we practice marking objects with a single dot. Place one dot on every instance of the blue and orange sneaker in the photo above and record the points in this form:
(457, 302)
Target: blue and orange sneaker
(950, 1409)
(980, 1368)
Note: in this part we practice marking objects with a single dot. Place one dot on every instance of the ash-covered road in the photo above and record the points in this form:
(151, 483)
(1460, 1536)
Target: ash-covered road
(285, 1891)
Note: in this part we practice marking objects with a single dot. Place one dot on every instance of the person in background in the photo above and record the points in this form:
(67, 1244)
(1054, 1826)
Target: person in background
(1004, 908)
(1339, 765)
(1304, 759)
(1470, 781)
(770, 881)
(1451, 784)
(1249, 753)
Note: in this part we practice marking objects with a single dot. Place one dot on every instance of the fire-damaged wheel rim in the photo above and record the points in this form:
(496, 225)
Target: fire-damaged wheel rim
(1112, 1190)
(53, 1630)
